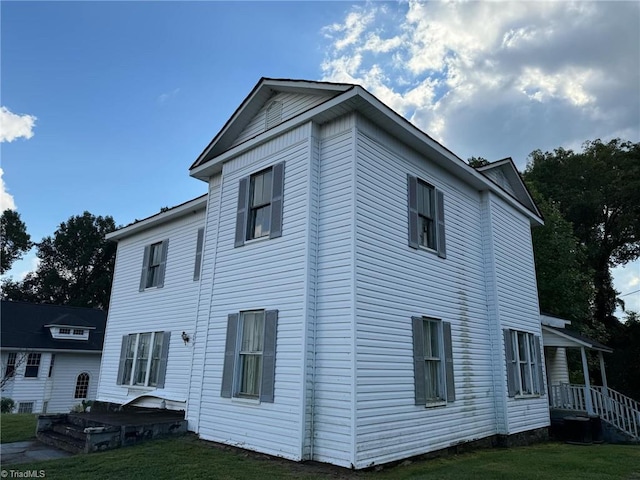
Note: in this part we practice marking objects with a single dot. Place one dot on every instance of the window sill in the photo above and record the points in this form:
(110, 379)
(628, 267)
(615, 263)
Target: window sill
(435, 404)
(256, 240)
(246, 400)
(136, 389)
(528, 395)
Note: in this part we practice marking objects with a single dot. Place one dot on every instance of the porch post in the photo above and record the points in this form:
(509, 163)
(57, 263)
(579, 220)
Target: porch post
(587, 383)
(602, 372)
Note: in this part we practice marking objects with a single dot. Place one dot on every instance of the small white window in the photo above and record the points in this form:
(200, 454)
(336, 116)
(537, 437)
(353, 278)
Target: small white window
(82, 385)
(273, 115)
(64, 331)
(25, 407)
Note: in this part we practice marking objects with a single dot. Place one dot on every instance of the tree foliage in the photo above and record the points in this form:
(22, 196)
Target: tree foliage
(564, 287)
(14, 239)
(598, 191)
(76, 266)
(477, 162)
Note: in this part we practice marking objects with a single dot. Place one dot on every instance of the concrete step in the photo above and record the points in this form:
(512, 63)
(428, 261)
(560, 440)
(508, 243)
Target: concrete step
(63, 442)
(70, 430)
(82, 421)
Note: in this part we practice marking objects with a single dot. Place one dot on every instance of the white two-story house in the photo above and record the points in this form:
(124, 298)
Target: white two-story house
(347, 291)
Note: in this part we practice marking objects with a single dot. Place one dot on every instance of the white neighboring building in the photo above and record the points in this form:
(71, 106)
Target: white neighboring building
(348, 291)
(50, 355)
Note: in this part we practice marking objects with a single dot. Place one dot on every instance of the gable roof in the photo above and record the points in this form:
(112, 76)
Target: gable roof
(569, 338)
(346, 98)
(512, 181)
(26, 326)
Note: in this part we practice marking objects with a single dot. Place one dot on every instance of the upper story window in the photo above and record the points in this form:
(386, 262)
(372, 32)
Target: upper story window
(33, 365)
(153, 265)
(143, 359)
(260, 204)
(10, 370)
(426, 217)
(433, 361)
(199, 247)
(249, 361)
(69, 333)
(524, 363)
(260, 201)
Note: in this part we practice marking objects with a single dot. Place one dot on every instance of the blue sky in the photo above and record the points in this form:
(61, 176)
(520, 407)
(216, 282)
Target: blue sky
(106, 104)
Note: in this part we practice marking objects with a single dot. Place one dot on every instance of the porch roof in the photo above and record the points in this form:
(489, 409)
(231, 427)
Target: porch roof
(561, 337)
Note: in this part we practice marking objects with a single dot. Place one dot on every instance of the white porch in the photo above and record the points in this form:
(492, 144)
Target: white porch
(611, 406)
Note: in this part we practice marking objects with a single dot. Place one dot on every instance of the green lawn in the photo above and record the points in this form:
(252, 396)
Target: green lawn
(189, 458)
(16, 427)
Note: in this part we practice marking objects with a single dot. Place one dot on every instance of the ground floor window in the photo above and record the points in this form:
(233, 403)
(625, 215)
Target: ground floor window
(524, 363)
(82, 385)
(33, 365)
(249, 363)
(143, 359)
(25, 407)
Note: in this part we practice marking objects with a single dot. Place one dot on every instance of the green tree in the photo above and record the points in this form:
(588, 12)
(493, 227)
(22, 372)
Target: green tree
(564, 288)
(14, 239)
(623, 365)
(76, 266)
(598, 191)
(476, 162)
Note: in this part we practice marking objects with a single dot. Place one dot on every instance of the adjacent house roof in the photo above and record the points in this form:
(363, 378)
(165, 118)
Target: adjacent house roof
(561, 337)
(27, 326)
(339, 99)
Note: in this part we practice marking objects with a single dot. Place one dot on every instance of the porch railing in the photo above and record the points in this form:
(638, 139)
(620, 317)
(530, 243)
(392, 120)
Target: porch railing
(619, 410)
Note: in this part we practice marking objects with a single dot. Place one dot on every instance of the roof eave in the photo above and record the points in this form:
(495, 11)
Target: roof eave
(189, 207)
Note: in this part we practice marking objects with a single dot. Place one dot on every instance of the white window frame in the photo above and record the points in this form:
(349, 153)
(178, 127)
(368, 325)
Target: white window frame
(527, 364)
(151, 358)
(31, 362)
(82, 387)
(437, 360)
(264, 206)
(10, 369)
(239, 380)
(22, 407)
(153, 269)
(430, 242)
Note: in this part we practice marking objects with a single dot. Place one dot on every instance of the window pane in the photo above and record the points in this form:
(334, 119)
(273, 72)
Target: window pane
(522, 347)
(155, 358)
(425, 200)
(251, 368)
(427, 233)
(128, 363)
(252, 331)
(260, 219)
(432, 380)
(261, 188)
(155, 254)
(144, 345)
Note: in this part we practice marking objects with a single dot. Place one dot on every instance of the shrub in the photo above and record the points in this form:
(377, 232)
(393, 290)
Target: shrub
(7, 405)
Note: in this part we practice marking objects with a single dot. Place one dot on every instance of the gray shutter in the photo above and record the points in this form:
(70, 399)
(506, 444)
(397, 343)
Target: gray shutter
(229, 356)
(123, 357)
(418, 360)
(512, 389)
(163, 263)
(164, 358)
(448, 361)
(277, 197)
(540, 363)
(242, 212)
(412, 188)
(145, 268)
(442, 248)
(198, 264)
(267, 386)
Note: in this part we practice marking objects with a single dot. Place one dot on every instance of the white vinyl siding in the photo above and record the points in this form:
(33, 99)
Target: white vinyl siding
(280, 285)
(58, 390)
(516, 302)
(393, 283)
(334, 338)
(168, 309)
(292, 104)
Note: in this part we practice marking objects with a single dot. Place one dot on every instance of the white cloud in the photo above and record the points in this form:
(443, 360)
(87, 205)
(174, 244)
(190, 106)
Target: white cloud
(497, 79)
(163, 97)
(14, 126)
(6, 199)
